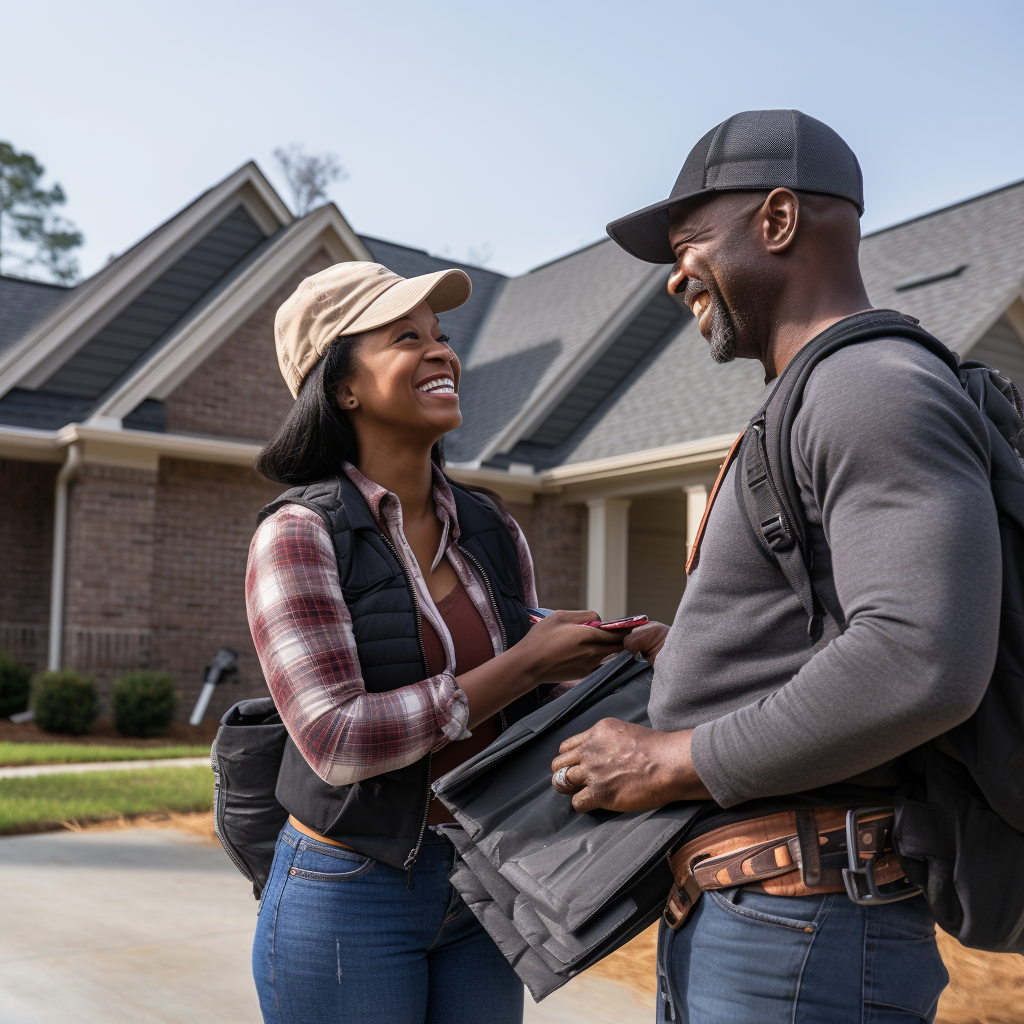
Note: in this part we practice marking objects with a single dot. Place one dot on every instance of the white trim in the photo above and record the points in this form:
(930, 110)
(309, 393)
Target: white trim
(122, 447)
(67, 474)
(540, 406)
(1015, 317)
(608, 556)
(199, 337)
(97, 301)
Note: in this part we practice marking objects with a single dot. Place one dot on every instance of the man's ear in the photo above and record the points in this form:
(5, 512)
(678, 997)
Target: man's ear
(780, 215)
(346, 400)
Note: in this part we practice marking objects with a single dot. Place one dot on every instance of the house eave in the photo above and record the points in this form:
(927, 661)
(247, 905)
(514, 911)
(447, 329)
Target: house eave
(651, 469)
(132, 448)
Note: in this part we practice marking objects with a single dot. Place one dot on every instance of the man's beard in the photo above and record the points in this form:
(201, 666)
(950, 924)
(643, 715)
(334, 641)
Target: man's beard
(722, 342)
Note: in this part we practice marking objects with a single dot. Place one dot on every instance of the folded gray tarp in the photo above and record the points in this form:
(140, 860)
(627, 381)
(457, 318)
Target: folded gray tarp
(555, 889)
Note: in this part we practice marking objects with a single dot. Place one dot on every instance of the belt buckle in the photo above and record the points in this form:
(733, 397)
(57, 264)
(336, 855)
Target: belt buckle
(865, 844)
(681, 900)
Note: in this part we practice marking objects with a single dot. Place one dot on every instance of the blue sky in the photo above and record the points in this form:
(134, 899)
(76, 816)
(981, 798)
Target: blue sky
(522, 127)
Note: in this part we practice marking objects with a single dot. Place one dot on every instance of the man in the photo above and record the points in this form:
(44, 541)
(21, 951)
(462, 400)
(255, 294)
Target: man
(750, 712)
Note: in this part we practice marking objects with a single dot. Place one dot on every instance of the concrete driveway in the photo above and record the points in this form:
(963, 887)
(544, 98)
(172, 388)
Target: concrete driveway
(148, 926)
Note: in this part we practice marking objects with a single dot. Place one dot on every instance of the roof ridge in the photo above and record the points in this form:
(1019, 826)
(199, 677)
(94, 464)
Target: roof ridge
(944, 209)
(432, 255)
(565, 256)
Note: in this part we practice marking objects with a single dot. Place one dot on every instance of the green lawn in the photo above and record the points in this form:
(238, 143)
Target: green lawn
(94, 796)
(72, 753)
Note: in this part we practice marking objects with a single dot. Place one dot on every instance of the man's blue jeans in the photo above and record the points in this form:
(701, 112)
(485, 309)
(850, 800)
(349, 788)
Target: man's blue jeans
(341, 939)
(745, 957)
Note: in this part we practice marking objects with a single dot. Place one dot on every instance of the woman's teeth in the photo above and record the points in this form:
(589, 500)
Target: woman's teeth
(441, 385)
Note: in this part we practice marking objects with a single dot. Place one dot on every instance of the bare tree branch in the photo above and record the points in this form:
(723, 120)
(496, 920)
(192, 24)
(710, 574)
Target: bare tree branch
(308, 175)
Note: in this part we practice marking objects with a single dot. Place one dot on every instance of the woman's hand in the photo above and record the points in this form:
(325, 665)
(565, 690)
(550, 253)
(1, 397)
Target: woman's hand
(555, 649)
(647, 640)
(560, 647)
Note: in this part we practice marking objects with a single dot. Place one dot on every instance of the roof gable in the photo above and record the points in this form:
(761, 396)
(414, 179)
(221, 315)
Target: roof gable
(462, 324)
(957, 270)
(542, 333)
(107, 292)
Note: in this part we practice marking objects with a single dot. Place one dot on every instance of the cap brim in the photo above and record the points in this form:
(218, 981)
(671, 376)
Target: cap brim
(644, 234)
(442, 291)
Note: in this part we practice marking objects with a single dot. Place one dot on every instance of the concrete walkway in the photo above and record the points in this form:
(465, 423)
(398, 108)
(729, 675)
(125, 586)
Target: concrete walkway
(27, 771)
(147, 926)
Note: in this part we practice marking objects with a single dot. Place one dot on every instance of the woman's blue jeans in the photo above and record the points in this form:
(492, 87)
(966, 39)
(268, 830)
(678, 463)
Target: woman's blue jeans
(745, 957)
(340, 938)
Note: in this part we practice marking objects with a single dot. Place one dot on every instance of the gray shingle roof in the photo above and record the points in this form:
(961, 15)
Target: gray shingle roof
(678, 394)
(986, 234)
(76, 385)
(23, 304)
(537, 328)
(462, 324)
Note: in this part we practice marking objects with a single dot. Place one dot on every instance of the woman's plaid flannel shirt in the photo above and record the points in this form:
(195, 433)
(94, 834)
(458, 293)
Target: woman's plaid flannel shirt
(303, 635)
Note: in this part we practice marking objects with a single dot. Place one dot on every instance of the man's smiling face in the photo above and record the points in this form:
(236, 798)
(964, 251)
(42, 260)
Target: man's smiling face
(712, 273)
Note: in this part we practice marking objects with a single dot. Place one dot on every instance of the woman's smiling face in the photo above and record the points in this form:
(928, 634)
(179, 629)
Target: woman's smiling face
(405, 379)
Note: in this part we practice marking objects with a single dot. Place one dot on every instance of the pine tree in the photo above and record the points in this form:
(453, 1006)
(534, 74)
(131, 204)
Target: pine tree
(31, 233)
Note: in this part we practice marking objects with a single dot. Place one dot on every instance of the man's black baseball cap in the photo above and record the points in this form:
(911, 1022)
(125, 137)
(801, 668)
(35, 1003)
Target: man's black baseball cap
(758, 149)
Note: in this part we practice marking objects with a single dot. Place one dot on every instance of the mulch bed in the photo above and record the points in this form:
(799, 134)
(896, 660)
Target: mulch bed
(103, 732)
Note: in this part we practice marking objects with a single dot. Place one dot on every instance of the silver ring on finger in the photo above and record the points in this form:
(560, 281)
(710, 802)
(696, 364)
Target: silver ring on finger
(560, 780)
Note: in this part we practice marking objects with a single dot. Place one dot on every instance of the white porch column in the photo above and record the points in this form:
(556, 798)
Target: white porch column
(696, 500)
(607, 556)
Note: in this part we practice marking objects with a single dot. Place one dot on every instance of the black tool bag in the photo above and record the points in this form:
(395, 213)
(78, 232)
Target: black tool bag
(246, 759)
(555, 889)
(959, 830)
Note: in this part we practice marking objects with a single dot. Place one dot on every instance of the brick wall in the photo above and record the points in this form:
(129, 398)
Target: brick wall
(26, 550)
(109, 572)
(205, 519)
(238, 392)
(555, 533)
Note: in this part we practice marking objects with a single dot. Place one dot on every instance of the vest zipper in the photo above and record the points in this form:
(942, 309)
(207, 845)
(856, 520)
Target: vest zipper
(490, 594)
(414, 853)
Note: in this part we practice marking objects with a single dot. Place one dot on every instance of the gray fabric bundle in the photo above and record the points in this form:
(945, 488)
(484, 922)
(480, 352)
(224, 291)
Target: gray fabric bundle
(555, 889)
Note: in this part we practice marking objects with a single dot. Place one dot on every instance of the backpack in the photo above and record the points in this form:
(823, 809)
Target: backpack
(959, 811)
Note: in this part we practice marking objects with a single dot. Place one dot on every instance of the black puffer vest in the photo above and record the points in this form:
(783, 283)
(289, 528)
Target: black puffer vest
(385, 816)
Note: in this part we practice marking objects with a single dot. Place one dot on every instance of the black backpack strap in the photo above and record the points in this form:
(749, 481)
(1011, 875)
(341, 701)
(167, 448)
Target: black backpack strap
(771, 494)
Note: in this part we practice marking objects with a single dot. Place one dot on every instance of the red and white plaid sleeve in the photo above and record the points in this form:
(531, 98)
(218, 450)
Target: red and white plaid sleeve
(303, 636)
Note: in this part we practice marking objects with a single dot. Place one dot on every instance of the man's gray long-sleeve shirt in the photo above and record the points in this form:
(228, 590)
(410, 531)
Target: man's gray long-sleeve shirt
(892, 459)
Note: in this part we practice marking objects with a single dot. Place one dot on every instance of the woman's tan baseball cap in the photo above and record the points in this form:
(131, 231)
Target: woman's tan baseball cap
(349, 298)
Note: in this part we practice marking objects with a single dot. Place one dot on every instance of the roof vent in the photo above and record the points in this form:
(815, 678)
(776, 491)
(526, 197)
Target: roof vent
(930, 278)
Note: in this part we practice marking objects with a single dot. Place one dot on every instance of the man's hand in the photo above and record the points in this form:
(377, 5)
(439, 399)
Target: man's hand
(622, 767)
(647, 640)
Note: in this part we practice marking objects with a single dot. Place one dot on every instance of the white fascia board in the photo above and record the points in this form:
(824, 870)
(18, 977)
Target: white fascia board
(197, 339)
(536, 411)
(1015, 316)
(1004, 307)
(74, 322)
(125, 445)
(705, 451)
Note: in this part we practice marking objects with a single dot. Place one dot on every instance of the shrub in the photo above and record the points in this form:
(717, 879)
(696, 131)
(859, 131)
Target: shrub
(144, 703)
(15, 686)
(64, 702)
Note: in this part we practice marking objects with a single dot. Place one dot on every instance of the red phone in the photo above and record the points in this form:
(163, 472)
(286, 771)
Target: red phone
(628, 623)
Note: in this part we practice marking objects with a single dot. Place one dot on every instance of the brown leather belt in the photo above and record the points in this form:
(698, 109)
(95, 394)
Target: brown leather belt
(792, 853)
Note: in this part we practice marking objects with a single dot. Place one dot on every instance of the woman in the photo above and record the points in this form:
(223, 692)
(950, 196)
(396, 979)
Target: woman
(388, 608)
